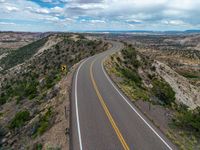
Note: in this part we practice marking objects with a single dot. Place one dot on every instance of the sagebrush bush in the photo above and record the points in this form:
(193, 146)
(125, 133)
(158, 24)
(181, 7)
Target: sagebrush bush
(20, 119)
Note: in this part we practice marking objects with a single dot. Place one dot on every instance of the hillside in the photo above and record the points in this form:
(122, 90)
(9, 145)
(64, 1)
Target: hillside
(20, 55)
(164, 96)
(38, 91)
(11, 41)
(15, 40)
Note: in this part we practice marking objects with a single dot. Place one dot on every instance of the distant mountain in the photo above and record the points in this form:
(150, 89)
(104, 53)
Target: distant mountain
(193, 31)
(143, 32)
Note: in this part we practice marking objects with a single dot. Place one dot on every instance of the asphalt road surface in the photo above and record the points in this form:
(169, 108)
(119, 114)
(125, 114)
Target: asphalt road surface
(103, 118)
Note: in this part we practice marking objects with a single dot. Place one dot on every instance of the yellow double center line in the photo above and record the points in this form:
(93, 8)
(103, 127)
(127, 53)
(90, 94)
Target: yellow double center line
(117, 131)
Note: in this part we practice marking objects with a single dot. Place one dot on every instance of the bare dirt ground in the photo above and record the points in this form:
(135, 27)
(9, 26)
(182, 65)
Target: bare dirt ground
(75, 37)
(56, 136)
(159, 115)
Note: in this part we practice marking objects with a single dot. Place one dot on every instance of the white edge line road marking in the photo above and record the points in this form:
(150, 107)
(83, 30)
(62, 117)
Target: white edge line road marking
(133, 107)
(76, 103)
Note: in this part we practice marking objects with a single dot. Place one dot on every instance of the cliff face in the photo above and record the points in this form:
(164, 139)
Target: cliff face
(186, 93)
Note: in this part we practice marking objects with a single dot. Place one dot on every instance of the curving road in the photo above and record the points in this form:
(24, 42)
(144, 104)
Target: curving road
(103, 118)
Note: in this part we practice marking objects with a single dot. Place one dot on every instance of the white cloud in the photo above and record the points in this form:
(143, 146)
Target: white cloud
(11, 8)
(7, 23)
(134, 21)
(47, 1)
(42, 11)
(97, 21)
(86, 6)
(51, 18)
(173, 22)
(127, 14)
(57, 10)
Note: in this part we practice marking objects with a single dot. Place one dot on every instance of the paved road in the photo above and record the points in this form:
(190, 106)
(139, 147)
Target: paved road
(103, 118)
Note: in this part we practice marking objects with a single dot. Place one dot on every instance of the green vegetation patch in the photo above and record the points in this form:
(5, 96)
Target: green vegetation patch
(29, 87)
(20, 119)
(43, 123)
(192, 76)
(131, 75)
(130, 55)
(20, 89)
(127, 68)
(163, 91)
(135, 92)
(52, 78)
(187, 122)
(188, 119)
(130, 59)
(133, 84)
(38, 146)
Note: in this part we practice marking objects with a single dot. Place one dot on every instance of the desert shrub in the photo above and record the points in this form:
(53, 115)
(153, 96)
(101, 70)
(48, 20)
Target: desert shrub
(188, 119)
(3, 98)
(129, 52)
(2, 132)
(6, 93)
(130, 55)
(190, 75)
(163, 92)
(31, 90)
(136, 63)
(38, 146)
(131, 75)
(137, 92)
(49, 81)
(44, 123)
(57, 47)
(20, 119)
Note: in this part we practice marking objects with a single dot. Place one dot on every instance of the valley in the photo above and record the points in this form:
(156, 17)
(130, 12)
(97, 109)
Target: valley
(158, 73)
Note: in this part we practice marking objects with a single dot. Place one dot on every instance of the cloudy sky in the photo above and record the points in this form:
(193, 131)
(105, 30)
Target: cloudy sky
(82, 15)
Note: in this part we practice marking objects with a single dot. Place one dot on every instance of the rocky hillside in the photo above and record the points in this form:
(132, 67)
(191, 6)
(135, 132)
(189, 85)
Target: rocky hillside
(33, 89)
(11, 41)
(139, 77)
(14, 40)
(168, 99)
(186, 93)
(178, 61)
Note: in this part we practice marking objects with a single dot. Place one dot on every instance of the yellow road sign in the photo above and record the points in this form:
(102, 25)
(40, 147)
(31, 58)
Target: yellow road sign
(63, 67)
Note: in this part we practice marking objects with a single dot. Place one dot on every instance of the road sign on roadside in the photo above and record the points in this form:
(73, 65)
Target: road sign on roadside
(64, 68)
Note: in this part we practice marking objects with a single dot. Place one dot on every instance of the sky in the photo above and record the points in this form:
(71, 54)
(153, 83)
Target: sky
(88, 15)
